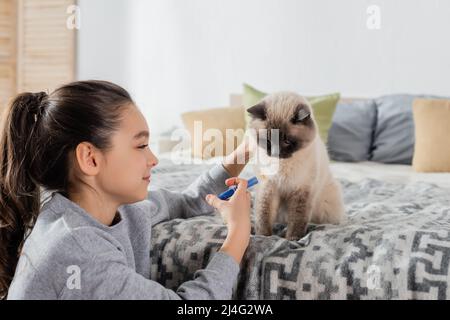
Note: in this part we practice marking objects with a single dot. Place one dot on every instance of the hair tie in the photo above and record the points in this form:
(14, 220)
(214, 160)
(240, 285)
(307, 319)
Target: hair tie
(39, 98)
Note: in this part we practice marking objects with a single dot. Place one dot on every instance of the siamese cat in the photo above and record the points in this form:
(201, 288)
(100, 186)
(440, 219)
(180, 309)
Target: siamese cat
(303, 189)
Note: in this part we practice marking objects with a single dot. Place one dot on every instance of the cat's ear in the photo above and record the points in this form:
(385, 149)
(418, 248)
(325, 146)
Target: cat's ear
(258, 111)
(301, 113)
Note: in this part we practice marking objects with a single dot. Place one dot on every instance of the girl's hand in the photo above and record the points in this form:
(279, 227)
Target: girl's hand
(235, 162)
(246, 148)
(236, 210)
(236, 213)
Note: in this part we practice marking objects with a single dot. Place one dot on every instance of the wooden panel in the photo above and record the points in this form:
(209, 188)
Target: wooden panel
(7, 50)
(46, 47)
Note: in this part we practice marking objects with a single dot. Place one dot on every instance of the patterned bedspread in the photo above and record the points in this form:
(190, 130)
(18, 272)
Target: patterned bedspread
(395, 245)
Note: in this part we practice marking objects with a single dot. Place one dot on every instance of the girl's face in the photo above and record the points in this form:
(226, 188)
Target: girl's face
(126, 168)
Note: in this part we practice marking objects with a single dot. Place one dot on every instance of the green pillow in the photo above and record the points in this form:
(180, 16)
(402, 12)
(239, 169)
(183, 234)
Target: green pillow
(323, 106)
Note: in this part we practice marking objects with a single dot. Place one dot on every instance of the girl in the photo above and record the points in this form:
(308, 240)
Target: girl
(87, 143)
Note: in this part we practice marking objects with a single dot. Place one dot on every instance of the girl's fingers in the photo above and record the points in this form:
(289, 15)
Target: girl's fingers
(242, 185)
(231, 181)
(214, 201)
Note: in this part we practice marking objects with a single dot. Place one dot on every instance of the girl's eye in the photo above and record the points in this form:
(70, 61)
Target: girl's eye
(143, 146)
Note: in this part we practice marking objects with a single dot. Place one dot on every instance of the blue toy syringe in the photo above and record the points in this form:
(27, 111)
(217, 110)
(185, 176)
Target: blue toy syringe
(227, 194)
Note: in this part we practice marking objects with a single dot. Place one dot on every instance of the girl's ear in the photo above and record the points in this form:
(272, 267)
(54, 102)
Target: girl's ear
(258, 111)
(87, 157)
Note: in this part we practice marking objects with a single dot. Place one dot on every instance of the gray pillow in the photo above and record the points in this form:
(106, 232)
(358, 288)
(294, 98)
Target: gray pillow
(351, 133)
(394, 133)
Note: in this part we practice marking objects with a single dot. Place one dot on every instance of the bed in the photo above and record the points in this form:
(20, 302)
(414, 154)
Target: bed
(395, 244)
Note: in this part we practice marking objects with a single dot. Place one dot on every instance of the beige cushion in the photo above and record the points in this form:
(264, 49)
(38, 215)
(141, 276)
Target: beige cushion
(210, 138)
(432, 135)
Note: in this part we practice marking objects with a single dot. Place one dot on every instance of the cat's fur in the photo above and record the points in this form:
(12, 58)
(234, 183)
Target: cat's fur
(303, 190)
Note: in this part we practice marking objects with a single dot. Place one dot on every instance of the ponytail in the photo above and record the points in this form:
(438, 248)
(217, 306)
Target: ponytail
(19, 192)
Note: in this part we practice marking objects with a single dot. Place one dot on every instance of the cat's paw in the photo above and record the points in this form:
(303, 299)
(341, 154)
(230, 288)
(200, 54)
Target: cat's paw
(294, 236)
(263, 231)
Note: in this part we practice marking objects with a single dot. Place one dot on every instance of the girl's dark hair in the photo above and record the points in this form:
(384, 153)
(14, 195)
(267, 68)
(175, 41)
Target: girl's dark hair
(38, 133)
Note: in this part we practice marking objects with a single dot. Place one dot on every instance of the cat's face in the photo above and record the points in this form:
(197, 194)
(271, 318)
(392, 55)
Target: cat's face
(292, 115)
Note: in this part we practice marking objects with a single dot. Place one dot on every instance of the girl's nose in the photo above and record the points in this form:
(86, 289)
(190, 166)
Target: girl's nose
(152, 160)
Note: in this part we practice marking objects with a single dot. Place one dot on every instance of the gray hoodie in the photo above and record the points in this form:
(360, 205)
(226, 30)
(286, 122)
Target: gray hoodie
(70, 255)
